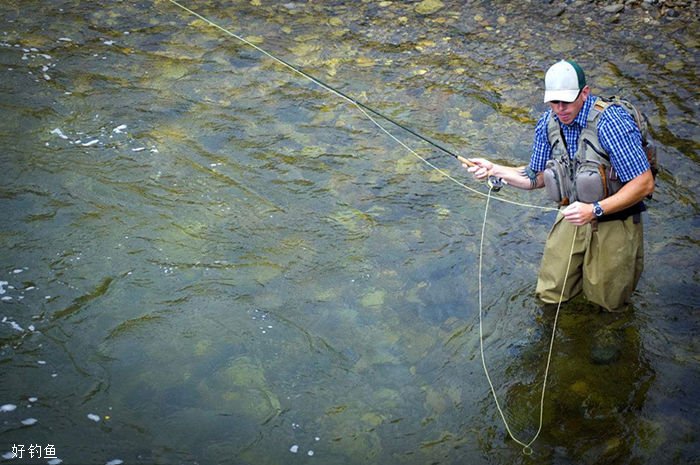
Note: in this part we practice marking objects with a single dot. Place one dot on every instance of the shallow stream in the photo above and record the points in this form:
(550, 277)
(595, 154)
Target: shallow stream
(207, 258)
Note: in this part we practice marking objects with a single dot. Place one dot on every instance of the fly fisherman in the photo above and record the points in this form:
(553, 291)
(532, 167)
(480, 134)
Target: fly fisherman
(588, 155)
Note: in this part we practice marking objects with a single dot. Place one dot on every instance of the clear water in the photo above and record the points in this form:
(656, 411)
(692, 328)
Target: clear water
(206, 258)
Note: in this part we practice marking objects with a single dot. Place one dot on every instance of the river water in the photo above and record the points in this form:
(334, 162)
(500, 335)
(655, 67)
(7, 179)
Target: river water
(207, 258)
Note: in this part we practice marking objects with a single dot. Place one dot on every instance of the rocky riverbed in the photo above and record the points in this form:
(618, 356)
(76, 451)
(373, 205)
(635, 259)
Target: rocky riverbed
(687, 9)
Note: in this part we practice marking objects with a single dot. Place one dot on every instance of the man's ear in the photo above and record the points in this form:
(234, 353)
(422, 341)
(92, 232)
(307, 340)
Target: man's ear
(586, 91)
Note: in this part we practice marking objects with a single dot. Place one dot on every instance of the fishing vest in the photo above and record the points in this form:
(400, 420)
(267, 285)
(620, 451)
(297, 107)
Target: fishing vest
(588, 177)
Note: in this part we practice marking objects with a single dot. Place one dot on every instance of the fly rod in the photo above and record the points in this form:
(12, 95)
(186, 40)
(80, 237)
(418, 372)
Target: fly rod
(494, 183)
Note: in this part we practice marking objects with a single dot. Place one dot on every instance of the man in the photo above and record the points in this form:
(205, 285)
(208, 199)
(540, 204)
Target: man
(588, 155)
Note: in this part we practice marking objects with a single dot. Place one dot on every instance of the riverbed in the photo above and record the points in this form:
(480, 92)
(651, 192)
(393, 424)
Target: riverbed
(208, 257)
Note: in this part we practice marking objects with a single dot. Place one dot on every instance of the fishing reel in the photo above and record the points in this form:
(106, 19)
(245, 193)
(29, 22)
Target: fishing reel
(494, 183)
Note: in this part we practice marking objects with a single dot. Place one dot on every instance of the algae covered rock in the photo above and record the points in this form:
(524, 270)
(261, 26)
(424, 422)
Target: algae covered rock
(606, 346)
(240, 388)
(428, 7)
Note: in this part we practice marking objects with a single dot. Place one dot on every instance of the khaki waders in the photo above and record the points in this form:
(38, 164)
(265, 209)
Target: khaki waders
(607, 261)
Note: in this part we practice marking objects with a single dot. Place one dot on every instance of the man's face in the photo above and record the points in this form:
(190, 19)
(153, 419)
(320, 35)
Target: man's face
(567, 111)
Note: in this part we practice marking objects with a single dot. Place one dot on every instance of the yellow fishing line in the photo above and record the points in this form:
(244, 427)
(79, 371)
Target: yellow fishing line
(527, 449)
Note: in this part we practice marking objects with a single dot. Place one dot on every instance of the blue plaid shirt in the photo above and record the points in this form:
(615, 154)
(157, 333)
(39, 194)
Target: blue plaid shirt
(617, 132)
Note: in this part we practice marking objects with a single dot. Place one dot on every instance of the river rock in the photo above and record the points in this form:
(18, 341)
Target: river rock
(614, 8)
(607, 346)
(427, 7)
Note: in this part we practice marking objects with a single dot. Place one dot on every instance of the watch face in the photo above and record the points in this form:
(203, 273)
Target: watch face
(598, 210)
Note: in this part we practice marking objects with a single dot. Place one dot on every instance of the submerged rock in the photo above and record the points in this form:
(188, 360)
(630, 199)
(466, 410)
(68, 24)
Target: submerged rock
(241, 389)
(614, 8)
(607, 346)
(427, 7)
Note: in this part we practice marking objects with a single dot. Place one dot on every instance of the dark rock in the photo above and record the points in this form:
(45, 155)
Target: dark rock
(606, 347)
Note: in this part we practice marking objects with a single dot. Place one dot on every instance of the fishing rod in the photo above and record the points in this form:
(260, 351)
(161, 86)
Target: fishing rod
(494, 182)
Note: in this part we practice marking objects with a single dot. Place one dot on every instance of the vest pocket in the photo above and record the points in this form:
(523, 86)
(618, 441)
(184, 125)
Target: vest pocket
(557, 182)
(595, 181)
(590, 182)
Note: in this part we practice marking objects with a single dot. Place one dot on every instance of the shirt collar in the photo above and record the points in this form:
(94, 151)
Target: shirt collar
(582, 117)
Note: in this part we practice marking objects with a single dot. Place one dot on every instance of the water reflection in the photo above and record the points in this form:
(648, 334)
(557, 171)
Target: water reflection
(597, 389)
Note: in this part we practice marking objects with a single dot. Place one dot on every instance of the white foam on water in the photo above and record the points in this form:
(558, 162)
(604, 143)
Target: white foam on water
(13, 324)
(59, 133)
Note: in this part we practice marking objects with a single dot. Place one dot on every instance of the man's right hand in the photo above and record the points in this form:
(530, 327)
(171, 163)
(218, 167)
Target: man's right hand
(479, 167)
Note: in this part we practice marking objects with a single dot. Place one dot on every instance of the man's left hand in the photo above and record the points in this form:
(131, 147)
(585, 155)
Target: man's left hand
(578, 213)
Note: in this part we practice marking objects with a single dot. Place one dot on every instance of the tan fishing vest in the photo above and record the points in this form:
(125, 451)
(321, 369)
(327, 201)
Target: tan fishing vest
(588, 177)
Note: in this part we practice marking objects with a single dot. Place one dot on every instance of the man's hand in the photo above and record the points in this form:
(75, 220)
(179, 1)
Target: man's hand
(480, 167)
(579, 213)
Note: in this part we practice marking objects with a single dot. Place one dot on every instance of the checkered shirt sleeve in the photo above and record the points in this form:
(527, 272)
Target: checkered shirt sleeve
(621, 139)
(541, 150)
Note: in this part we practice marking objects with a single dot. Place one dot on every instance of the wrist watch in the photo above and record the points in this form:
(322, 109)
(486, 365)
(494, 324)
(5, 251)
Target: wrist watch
(597, 210)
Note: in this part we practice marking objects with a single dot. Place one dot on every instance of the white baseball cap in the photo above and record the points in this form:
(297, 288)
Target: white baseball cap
(563, 81)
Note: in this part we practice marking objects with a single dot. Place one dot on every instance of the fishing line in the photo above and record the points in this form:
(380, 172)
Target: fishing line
(365, 110)
(527, 449)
